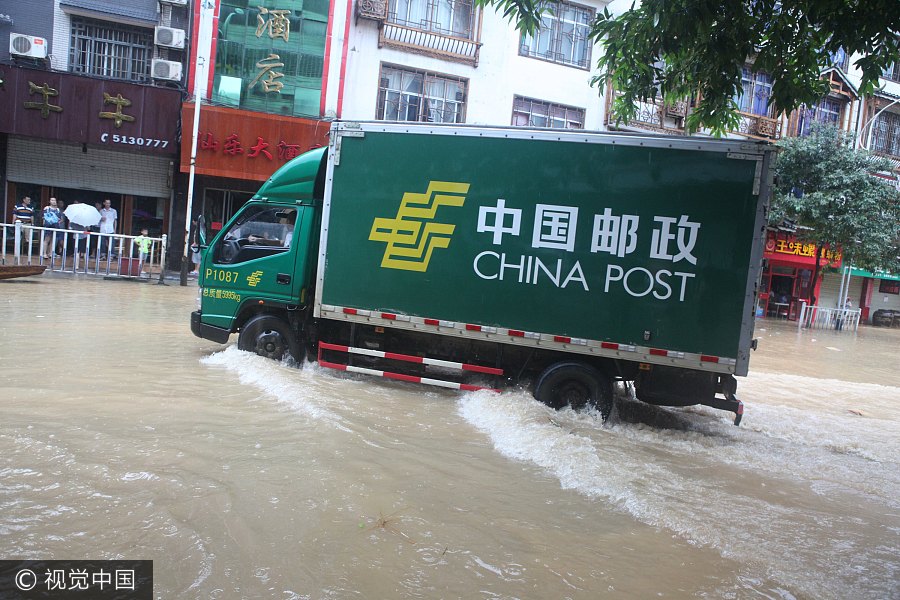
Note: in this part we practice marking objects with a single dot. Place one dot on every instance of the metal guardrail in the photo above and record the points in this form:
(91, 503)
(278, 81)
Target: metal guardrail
(74, 251)
(819, 317)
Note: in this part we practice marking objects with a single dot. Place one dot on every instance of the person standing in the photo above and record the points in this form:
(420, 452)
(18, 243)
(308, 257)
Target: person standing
(24, 213)
(108, 219)
(143, 244)
(52, 219)
(63, 224)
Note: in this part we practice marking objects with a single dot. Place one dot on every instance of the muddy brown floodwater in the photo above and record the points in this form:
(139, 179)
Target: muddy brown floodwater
(123, 436)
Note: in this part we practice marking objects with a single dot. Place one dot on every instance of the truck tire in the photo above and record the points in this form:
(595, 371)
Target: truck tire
(574, 384)
(270, 337)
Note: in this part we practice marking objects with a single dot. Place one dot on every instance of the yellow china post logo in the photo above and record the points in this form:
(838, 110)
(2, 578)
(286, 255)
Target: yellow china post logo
(413, 235)
(254, 277)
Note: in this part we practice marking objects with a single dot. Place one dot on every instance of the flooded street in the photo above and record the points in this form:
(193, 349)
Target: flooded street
(124, 436)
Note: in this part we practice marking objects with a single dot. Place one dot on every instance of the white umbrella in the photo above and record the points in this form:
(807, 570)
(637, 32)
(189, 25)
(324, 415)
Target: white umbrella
(82, 214)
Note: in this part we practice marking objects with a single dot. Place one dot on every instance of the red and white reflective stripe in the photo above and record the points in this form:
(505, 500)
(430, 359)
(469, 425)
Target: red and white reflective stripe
(423, 360)
(410, 378)
(717, 360)
(615, 346)
(523, 334)
(564, 342)
(563, 339)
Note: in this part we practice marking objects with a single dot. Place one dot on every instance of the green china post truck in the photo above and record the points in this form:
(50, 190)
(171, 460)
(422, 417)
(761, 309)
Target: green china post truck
(471, 257)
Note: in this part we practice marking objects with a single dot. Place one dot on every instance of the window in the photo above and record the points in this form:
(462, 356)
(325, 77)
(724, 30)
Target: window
(886, 286)
(110, 50)
(892, 72)
(562, 37)
(826, 111)
(536, 113)
(407, 95)
(756, 91)
(840, 59)
(260, 231)
(447, 17)
(886, 134)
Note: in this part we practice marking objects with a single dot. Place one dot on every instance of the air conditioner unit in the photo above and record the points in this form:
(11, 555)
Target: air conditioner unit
(166, 69)
(175, 2)
(169, 37)
(27, 45)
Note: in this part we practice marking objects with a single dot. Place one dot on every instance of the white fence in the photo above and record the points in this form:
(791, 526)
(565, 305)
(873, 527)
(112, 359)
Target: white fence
(819, 317)
(74, 251)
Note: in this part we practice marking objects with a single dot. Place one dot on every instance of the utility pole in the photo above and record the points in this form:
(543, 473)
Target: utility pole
(201, 79)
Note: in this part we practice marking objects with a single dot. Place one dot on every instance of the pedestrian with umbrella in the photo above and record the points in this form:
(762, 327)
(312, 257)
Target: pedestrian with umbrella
(81, 216)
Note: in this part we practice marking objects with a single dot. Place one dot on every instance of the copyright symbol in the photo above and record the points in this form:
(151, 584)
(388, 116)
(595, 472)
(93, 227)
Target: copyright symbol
(26, 580)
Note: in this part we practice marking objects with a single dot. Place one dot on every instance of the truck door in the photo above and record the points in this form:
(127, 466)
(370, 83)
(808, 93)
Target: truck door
(255, 259)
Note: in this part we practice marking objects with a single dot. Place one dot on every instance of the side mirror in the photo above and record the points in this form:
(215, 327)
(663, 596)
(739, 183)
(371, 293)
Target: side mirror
(201, 230)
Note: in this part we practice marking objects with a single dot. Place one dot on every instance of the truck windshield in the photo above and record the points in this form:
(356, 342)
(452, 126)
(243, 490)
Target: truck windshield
(259, 231)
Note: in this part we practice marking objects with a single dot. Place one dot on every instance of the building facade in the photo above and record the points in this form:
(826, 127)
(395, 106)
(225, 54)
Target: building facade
(87, 114)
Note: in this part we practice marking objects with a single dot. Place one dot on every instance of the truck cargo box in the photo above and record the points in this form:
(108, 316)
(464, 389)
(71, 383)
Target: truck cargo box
(643, 248)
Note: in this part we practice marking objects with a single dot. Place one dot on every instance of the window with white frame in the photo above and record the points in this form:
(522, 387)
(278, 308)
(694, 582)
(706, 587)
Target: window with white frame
(886, 134)
(826, 111)
(535, 113)
(756, 89)
(446, 17)
(892, 72)
(112, 50)
(839, 58)
(411, 95)
(562, 37)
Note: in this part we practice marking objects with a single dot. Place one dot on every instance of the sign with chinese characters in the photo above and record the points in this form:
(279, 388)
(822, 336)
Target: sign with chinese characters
(572, 239)
(270, 55)
(246, 145)
(782, 247)
(71, 108)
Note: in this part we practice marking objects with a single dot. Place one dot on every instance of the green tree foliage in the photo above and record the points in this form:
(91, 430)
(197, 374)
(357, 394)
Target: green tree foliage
(829, 189)
(677, 49)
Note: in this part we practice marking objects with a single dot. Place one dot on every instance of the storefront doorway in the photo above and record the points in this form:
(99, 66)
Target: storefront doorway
(783, 290)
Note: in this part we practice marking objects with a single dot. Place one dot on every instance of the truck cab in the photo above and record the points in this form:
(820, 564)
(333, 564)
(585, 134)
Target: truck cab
(263, 260)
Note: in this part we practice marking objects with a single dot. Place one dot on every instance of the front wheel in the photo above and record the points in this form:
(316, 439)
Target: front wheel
(575, 384)
(270, 337)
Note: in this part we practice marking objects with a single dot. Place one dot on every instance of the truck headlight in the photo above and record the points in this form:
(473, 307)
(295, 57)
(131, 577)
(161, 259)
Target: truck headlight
(199, 297)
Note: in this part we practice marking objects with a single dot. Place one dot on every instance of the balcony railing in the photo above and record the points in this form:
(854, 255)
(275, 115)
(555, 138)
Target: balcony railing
(657, 116)
(759, 127)
(426, 42)
(669, 118)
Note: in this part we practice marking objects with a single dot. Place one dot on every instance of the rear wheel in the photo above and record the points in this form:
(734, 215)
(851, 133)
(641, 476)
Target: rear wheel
(270, 337)
(574, 384)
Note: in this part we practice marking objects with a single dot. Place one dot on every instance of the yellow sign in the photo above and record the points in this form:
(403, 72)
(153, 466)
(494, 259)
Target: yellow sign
(118, 117)
(412, 235)
(254, 277)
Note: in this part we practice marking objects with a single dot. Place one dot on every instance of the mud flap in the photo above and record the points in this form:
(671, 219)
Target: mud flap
(727, 386)
(671, 386)
(729, 403)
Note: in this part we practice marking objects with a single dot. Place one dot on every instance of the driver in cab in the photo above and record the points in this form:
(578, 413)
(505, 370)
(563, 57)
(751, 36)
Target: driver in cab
(287, 221)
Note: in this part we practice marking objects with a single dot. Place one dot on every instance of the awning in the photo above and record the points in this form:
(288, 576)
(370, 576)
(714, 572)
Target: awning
(142, 12)
(876, 275)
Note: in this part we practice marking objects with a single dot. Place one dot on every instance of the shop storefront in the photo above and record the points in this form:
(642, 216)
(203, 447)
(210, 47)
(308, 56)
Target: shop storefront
(879, 295)
(787, 275)
(238, 150)
(77, 138)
